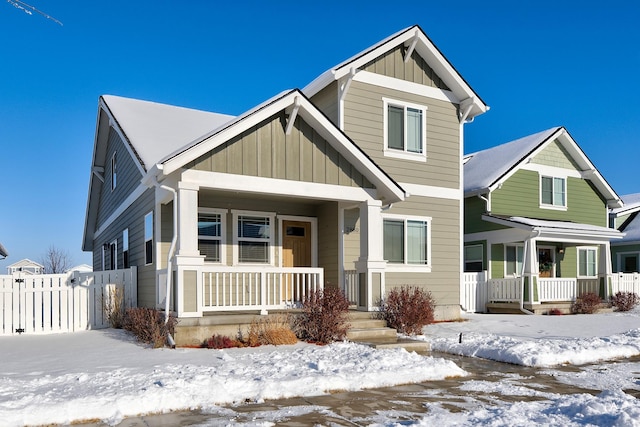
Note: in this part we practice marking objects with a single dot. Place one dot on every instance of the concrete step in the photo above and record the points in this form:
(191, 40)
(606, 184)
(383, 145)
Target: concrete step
(367, 323)
(369, 334)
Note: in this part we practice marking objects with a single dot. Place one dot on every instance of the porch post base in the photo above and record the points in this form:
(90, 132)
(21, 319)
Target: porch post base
(372, 283)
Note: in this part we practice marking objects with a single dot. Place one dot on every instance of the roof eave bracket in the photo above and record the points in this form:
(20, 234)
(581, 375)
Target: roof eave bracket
(292, 117)
(344, 88)
(98, 171)
(411, 48)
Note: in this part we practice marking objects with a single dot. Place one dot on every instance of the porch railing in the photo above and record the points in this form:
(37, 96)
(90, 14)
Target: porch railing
(504, 290)
(258, 288)
(351, 280)
(557, 289)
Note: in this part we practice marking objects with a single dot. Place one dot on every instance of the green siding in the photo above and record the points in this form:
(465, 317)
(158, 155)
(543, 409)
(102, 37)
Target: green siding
(416, 69)
(266, 151)
(363, 122)
(497, 261)
(555, 155)
(474, 208)
(519, 196)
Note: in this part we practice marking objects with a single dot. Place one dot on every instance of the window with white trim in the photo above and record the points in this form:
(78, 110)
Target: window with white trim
(407, 241)
(405, 134)
(553, 191)
(113, 171)
(473, 258)
(125, 248)
(148, 238)
(587, 262)
(211, 226)
(514, 256)
(113, 255)
(253, 237)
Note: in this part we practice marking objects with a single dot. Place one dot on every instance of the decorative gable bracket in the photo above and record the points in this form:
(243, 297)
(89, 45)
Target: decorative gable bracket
(292, 116)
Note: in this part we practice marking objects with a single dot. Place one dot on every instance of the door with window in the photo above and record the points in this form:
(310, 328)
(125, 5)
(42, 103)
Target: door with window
(296, 252)
(629, 263)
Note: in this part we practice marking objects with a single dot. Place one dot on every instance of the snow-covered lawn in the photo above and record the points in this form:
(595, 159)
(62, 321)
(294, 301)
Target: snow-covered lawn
(106, 375)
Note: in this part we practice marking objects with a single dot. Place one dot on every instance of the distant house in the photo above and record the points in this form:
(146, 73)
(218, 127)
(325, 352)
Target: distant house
(354, 181)
(625, 253)
(25, 266)
(82, 268)
(536, 220)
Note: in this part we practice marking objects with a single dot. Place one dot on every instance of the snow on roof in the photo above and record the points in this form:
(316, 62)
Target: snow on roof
(483, 168)
(155, 130)
(564, 225)
(25, 263)
(631, 203)
(632, 231)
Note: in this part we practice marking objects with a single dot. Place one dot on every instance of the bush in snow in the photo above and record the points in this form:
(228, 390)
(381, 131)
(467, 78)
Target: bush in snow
(113, 306)
(148, 325)
(222, 341)
(275, 330)
(324, 316)
(407, 309)
(624, 301)
(587, 304)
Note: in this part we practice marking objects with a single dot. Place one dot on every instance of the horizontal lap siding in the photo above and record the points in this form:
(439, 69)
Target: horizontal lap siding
(327, 101)
(266, 151)
(364, 124)
(520, 196)
(444, 279)
(555, 155)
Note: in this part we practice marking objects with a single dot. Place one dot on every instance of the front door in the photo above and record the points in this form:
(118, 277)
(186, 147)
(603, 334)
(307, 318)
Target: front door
(296, 252)
(545, 262)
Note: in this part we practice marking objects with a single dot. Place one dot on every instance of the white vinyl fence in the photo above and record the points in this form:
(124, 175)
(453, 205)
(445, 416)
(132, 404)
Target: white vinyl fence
(53, 303)
(625, 282)
(475, 292)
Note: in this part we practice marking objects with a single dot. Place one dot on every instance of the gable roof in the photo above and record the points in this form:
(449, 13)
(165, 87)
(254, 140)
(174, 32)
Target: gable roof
(295, 103)
(486, 170)
(631, 204)
(631, 226)
(411, 36)
(26, 262)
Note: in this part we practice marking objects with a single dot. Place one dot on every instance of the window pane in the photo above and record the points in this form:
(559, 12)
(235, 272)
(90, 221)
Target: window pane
(209, 225)
(558, 191)
(253, 227)
(148, 252)
(473, 266)
(395, 127)
(547, 191)
(414, 130)
(210, 249)
(514, 260)
(148, 226)
(473, 258)
(417, 242)
(587, 262)
(393, 241)
(253, 252)
(125, 239)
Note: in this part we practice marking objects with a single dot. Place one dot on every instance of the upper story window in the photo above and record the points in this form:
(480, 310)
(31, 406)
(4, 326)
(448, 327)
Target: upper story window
(407, 241)
(125, 248)
(113, 171)
(254, 237)
(211, 226)
(148, 238)
(553, 192)
(405, 134)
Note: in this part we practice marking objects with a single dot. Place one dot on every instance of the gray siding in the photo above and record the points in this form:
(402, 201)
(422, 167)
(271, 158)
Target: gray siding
(328, 242)
(415, 70)
(364, 124)
(266, 151)
(327, 101)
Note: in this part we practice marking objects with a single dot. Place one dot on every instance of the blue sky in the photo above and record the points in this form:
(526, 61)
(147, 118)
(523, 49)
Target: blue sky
(537, 64)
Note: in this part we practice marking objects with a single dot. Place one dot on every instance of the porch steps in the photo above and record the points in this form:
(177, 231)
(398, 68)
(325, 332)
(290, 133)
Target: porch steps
(373, 332)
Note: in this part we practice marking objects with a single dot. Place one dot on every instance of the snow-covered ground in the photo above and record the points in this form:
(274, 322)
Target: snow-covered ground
(105, 375)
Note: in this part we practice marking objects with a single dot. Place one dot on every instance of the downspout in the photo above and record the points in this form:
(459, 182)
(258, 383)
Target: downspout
(172, 249)
(527, 242)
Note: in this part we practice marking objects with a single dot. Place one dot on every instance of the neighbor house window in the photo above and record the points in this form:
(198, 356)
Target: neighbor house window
(587, 262)
(113, 172)
(125, 248)
(405, 129)
(407, 241)
(113, 255)
(513, 260)
(629, 262)
(253, 237)
(553, 191)
(473, 258)
(210, 234)
(148, 238)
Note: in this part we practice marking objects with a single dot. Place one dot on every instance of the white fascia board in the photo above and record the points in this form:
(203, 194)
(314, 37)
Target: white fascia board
(277, 187)
(405, 86)
(125, 141)
(431, 191)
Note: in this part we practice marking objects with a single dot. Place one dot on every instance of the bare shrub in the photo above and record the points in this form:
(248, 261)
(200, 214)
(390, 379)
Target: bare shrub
(625, 301)
(324, 316)
(218, 341)
(274, 330)
(407, 309)
(555, 312)
(113, 306)
(148, 325)
(587, 304)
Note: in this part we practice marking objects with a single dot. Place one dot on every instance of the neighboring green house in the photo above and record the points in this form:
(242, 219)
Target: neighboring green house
(625, 253)
(536, 214)
(354, 181)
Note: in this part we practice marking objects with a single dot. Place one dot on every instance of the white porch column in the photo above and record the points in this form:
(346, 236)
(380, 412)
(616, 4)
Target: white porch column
(531, 271)
(371, 264)
(604, 269)
(189, 262)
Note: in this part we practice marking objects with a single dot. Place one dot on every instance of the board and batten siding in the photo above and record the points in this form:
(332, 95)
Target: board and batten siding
(415, 70)
(266, 151)
(364, 123)
(520, 196)
(328, 241)
(128, 178)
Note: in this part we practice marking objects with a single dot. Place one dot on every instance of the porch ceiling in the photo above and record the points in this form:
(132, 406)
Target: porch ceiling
(557, 230)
